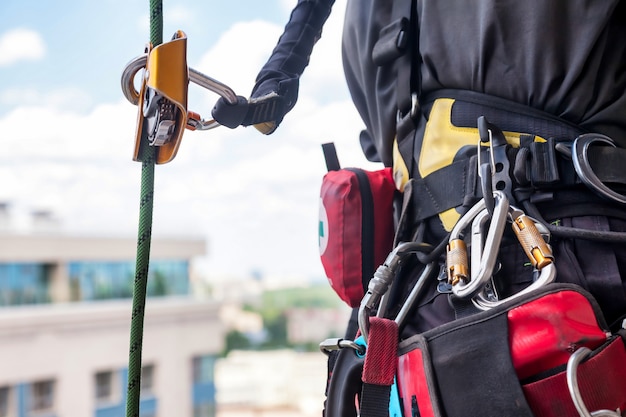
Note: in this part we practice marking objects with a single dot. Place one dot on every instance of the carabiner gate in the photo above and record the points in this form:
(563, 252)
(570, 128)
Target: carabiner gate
(483, 260)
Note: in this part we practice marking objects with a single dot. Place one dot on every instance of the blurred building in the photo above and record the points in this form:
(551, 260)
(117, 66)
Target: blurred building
(278, 382)
(65, 314)
(314, 325)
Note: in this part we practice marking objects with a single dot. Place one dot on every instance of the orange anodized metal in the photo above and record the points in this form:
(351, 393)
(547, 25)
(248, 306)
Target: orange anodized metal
(166, 76)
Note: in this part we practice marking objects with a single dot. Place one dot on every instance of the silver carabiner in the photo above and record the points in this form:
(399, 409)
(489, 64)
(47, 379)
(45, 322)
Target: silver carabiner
(572, 385)
(196, 77)
(580, 158)
(382, 280)
(483, 270)
(539, 252)
(457, 265)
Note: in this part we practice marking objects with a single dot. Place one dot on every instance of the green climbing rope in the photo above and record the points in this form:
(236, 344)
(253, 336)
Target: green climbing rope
(144, 237)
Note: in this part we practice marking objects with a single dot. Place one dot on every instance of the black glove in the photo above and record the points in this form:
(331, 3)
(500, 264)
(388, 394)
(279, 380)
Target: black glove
(276, 89)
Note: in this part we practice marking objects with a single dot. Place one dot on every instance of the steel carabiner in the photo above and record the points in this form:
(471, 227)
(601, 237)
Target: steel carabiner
(487, 254)
(538, 252)
(382, 280)
(572, 385)
(194, 122)
(580, 158)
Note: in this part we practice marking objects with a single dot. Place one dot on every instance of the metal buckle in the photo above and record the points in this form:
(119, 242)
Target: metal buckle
(580, 158)
(333, 344)
(412, 113)
(572, 385)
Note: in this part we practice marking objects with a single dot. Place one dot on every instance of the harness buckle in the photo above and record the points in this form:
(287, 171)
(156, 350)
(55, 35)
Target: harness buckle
(500, 167)
(332, 344)
(580, 158)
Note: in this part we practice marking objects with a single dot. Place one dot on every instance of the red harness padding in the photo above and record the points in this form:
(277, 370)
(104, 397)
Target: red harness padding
(601, 380)
(468, 367)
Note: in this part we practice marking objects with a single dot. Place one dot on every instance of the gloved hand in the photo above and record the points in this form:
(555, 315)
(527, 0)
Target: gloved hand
(276, 89)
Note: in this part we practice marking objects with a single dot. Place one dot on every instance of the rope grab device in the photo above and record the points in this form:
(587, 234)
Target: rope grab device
(162, 99)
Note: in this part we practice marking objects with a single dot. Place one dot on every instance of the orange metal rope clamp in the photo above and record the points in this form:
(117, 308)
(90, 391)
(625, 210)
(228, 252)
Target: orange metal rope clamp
(162, 99)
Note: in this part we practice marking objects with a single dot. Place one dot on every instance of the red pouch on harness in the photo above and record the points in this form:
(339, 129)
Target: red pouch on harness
(510, 361)
(356, 228)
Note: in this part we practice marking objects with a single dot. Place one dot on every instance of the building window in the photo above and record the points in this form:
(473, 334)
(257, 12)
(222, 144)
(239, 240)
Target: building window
(23, 283)
(147, 381)
(42, 395)
(203, 369)
(204, 410)
(106, 280)
(203, 396)
(104, 384)
(5, 402)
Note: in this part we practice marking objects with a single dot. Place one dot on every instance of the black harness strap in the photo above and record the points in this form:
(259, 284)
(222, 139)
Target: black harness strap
(397, 46)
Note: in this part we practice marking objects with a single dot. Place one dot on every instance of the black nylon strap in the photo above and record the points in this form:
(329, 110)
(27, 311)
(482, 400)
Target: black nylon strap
(375, 400)
(396, 48)
(457, 184)
(330, 156)
(445, 188)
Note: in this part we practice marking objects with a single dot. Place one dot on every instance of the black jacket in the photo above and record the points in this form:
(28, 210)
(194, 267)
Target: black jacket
(565, 57)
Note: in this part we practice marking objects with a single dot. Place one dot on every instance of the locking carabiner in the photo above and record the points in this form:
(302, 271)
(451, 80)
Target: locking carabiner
(538, 252)
(467, 287)
(382, 280)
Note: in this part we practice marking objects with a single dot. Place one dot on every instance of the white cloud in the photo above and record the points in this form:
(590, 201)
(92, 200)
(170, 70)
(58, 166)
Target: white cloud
(66, 98)
(239, 54)
(175, 16)
(253, 197)
(288, 5)
(178, 15)
(21, 45)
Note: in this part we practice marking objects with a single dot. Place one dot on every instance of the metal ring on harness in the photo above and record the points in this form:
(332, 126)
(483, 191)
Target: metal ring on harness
(580, 158)
(572, 385)
(330, 345)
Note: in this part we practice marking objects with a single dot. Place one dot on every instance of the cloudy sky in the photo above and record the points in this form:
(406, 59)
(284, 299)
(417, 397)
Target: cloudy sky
(67, 132)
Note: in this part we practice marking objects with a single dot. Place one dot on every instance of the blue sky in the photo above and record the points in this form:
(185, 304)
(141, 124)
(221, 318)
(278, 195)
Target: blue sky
(67, 133)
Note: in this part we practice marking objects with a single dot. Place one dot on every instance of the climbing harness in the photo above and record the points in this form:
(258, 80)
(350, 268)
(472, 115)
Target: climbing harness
(435, 366)
(162, 119)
